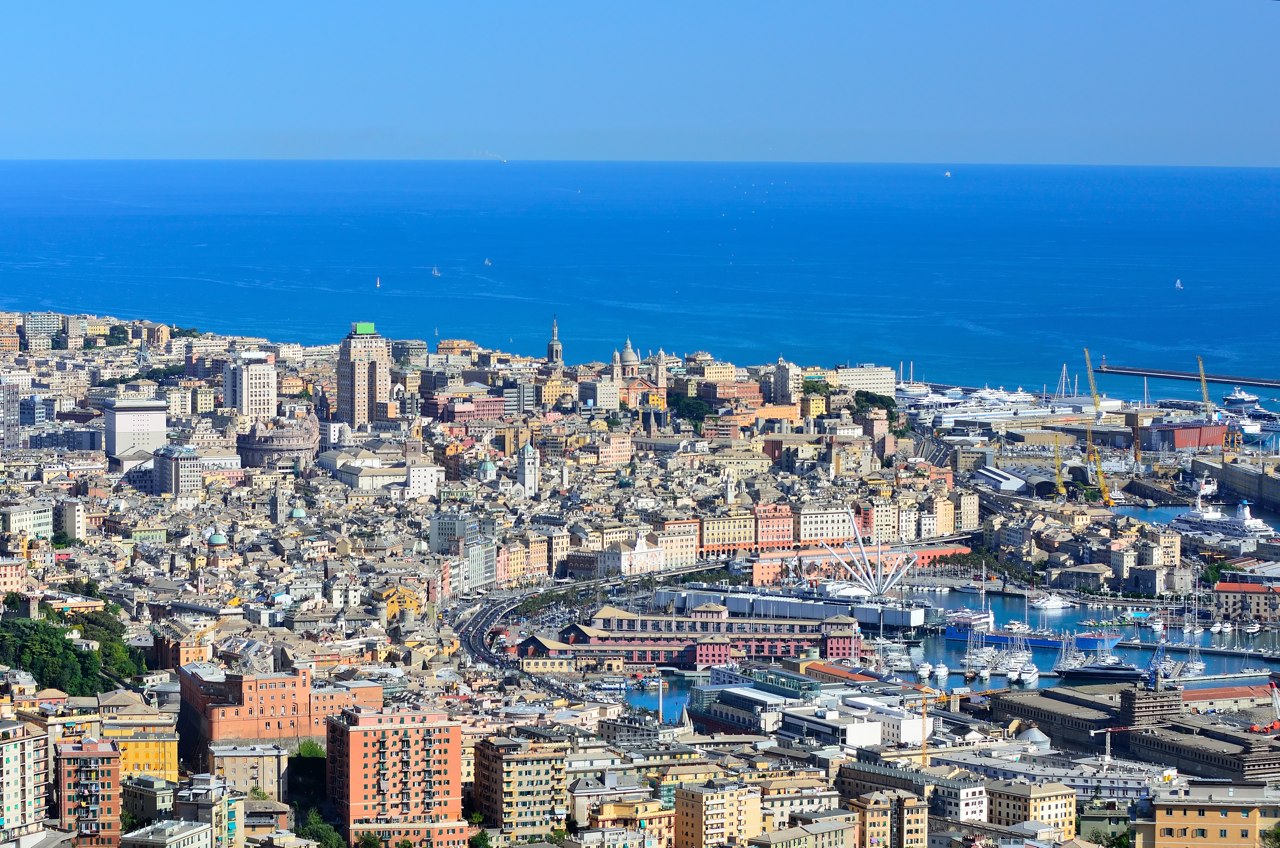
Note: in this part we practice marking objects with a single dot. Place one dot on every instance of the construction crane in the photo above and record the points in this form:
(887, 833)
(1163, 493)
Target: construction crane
(1057, 466)
(1204, 392)
(1091, 451)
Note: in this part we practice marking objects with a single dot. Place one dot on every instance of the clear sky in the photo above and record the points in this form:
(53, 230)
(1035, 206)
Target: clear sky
(1084, 81)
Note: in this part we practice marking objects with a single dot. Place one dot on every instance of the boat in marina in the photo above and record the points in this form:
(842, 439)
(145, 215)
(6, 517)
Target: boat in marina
(1090, 640)
(1100, 671)
(970, 588)
(924, 670)
(1029, 673)
(941, 672)
(1252, 628)
(1227, 627)
(1051, 602)
(1206, 519)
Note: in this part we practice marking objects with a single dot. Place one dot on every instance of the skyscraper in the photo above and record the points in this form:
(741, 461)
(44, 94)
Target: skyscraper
(249, 384)
(364, 375)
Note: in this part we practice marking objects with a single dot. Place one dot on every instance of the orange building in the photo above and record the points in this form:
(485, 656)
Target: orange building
(89, 802)
(398, 775)
(222, 707)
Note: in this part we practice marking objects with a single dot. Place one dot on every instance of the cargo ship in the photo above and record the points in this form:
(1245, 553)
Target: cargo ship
(1092, 640)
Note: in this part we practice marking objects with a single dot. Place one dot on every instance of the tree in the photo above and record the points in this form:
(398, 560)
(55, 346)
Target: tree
(310, 748)
(117, 335)
(479, 839)
(368, 840)
(1269, 838)
(476, 819)
(405, 843)
(688, 408)
(257, 794)
(318, 830)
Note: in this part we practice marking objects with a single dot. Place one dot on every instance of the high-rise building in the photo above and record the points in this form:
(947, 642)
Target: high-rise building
(24, 785)
(89, 802)
(364, 375)
(520, 785)
(178, 470)
(717, 813)
(10, 416)
(397, 774)
(249, 384)
(134, 424)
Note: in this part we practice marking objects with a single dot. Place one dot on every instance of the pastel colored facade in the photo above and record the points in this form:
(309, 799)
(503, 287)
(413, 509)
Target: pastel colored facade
(397, 774)
(1214, 816)
(210, 799)
(221, 707)
(717, 814)
(25, 783)
(1242, 601)
(521, 786)
(249, 767)
(363, 376)
(88, 786)
(648, 814)
(1011, 803)
(891, 819)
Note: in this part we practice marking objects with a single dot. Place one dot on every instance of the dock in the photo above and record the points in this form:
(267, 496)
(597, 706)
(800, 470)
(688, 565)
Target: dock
(1192, 376)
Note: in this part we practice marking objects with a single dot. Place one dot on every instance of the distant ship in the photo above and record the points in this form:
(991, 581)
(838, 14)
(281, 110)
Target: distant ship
(1177, 284)
(946, 174)
(1240, 399)
(435, 271)
(488, 262)
(377, 282)
(1209, 519)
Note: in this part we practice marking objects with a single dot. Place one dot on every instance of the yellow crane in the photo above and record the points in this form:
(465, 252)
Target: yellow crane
(1092, 451)
(1204, 391)
(1057, 466)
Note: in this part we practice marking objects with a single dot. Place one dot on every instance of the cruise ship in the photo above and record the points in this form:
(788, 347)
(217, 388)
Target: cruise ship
(1102, 672)
(1051, 602)
(1209, 520)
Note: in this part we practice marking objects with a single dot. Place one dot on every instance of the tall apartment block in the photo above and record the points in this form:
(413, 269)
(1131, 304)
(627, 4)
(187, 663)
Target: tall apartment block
(89, 802)
(398, 775)
(24, 783)
(521, 786)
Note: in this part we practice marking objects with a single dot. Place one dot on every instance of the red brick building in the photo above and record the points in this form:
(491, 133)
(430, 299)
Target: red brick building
(88, 783)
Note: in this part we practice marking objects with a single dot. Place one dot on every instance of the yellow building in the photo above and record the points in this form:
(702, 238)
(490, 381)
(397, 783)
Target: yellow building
(520, 786)
(717, 814)
(813, 406)
(1011, 803)
(1208, 817)
(733, 530)
(891, 817)
(147, 738)
(397, 599)
(647, 815)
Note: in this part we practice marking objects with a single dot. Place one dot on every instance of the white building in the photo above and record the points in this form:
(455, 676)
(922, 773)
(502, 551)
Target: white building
(877, 379)
(24, 784)
(134, 424)
(170, 834)
(830, 726)
(249, 384)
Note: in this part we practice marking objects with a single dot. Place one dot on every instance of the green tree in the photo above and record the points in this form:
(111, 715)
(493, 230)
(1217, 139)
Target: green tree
(310, 748)
(117, 335)
(689, 408)
(476, 818)
(1268, 838)
(816, 387)
(405, 843)
(257, 794)
(368, 840)
(318, 830)
(479, 839)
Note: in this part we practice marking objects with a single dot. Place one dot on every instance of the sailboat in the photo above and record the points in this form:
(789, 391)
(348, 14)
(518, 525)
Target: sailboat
(435, 271)
(1177, 284)
(488, 262)
(377, 282)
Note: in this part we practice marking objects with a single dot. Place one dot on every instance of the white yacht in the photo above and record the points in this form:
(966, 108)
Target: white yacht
(1051, 602)
(1029, 673)
(941, 672)
(1240, 399)
(924, 670)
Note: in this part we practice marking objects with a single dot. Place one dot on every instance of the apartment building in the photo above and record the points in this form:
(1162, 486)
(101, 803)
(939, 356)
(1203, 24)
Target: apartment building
(717, 813)
(397, 774)
(1011, 803)
(521, 785)
(88, 787)
(23, 782)
(891, 818)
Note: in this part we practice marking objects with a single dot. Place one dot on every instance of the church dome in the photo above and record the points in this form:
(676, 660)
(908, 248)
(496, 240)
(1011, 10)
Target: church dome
(217, 540)
(629, 356)
(297, 512)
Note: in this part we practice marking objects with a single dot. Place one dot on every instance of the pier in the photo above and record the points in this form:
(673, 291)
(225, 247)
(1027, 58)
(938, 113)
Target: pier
(1193, 376)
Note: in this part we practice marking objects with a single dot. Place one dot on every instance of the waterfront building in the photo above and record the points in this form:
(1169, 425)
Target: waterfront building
(363, 376)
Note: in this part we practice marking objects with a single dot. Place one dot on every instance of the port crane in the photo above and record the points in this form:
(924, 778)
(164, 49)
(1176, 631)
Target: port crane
(1057, 467)
(1233, 438)
(1091, 452)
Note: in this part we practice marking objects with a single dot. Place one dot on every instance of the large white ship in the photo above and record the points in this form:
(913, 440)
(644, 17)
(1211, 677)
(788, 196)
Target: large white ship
(1206, 520)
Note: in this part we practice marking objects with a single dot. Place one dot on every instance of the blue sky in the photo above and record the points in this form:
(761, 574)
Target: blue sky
(1090, 81)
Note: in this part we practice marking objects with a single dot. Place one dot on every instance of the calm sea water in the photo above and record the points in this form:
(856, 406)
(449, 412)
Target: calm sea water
(995, 275)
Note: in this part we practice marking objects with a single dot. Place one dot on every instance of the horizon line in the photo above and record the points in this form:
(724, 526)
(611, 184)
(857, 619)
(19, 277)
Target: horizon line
(569, 161)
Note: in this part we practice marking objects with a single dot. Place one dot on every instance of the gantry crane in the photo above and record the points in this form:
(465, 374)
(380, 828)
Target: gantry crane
(1057, 466)
(1091, 452)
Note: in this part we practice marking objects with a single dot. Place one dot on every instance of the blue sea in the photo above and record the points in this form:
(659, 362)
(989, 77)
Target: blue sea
(995, 275)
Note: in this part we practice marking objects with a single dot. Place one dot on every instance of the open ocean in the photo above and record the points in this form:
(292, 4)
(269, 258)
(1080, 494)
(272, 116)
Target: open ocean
(996, 275)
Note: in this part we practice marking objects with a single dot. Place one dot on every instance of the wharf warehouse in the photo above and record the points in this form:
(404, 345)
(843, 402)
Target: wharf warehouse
(761, 605)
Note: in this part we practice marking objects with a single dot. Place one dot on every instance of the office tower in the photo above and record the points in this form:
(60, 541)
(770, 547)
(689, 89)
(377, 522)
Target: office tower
(397, 774)
(249, 384)
(364, 375)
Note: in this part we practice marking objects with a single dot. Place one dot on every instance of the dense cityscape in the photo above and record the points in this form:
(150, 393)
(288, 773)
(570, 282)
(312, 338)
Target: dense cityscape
(387, 593)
